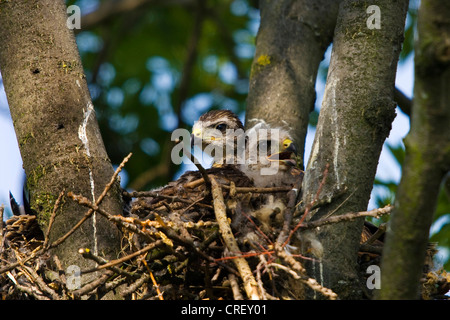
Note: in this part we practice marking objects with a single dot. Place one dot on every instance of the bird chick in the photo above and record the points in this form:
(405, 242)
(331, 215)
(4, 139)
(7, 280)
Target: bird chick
(270, 157)
(220, 134)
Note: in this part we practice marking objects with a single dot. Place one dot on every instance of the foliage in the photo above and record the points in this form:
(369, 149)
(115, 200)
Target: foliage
(135, 63)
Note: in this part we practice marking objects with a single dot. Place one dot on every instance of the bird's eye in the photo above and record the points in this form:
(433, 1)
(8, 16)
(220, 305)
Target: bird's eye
(221, 127)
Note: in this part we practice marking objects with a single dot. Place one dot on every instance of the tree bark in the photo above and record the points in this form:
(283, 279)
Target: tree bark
(427, 158)
(354, 121)
(291, 42)
(55, 124)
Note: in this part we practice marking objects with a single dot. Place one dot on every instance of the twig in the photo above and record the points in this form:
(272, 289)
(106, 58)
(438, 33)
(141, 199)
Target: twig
(309, 205)
(250, 284)
(235, 287)
(403, 102)
(341, 204)
(169, 232)
(347, 216)
(34, 277)
(200, 168)
(36, 252)
(370, 249)
(41, 283)
(261, 264)
(88, 254)
(133, 287)
(380, 231)
(62, 275)
(258, 190)
(155, 194)
(117, 219)
(312, 283)
(52, 219)
(288, 215)
(93, 285)
(289, 259)
(155, 284)
(32, 291)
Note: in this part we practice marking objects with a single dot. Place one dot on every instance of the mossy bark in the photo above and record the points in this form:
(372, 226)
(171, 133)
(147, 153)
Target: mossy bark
(427, 158)
(354, 121)
(55, 124)
(291, 42)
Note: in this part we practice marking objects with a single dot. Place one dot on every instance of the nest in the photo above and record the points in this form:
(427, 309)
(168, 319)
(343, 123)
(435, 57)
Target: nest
(209, 235)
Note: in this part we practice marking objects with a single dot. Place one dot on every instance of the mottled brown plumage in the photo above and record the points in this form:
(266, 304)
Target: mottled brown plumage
(271, 157)
(217, 132)
(188, 194)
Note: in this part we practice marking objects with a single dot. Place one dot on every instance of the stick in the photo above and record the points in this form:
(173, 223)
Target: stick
(134, 286)
(235, 287)
(93, 285)
(347, 216)
(258, 190)
(88, 254)
(312, 283)
(52, 219)
(169, 232)
(36, 252)
(250, 284)
(308, 207)
(2, 208)
(41, 283)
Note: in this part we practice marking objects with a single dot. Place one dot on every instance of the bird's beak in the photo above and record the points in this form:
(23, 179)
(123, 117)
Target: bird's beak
(287, 153)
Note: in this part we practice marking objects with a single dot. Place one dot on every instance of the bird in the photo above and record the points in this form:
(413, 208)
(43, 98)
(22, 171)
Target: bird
(271, 157)
(270, 161)
(266, 155)
(220, 134)
(217, 131)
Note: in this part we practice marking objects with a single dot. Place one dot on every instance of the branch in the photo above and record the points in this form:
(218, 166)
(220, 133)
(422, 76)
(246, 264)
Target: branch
(250, 284)
(93, 285)
(88, 254)
(376, 213)
(403, 102)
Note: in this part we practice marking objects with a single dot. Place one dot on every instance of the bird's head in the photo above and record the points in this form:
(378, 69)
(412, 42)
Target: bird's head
(215, 131)
(268, 145)
(271, 156)
(286, 154)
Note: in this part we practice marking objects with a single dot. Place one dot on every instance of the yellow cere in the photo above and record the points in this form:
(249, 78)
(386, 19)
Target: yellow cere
(287, 143)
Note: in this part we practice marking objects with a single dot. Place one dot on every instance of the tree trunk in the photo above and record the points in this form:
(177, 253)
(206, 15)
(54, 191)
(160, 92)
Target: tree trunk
(55, 124)
(354, 121)
(291, 42)
(427, 158)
